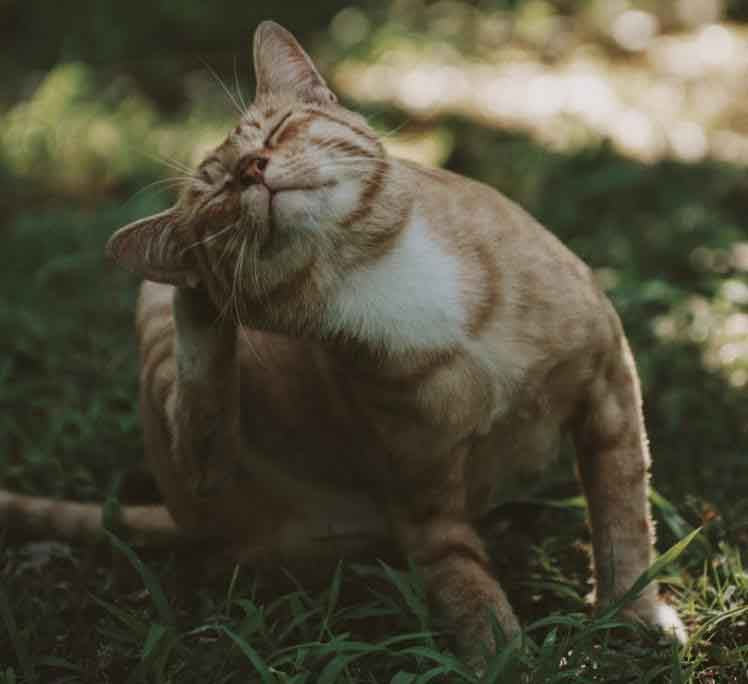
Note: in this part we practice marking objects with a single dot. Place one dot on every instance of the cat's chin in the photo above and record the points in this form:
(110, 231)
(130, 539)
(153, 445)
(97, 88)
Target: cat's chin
(257, 209)
(295, 209)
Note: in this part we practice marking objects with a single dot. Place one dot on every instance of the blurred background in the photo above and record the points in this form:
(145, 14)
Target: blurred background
(621, 124)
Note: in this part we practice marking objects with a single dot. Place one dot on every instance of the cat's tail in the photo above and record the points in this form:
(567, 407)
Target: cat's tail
(47, 518)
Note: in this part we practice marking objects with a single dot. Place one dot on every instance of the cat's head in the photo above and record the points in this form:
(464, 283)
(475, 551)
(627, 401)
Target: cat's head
(298, 173)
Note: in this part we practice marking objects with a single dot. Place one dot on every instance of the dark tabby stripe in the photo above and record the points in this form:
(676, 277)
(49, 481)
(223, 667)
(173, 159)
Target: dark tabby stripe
(372, 187)
(381, 241)
(485, 310)
(152, 339)
(343, 146)
(290, 131)
(160, 309)
(356, 129)
(157, 355)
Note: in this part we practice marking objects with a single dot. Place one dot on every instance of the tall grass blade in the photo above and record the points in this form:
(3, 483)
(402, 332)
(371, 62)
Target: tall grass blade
(403, 678)
(446, 661)
(133, 624)
(18, 645)
(262, 669)
(149, 579)
(332, 671)
(412, 599)
(332, 599)
(665, 559)
(678, 526)
(155, 634)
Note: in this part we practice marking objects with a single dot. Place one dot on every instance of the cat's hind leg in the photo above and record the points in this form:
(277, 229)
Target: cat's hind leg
(613, 461)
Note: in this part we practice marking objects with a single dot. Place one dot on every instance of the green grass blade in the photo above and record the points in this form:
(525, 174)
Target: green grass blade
(403, 678)
(134, 624)
(18, 646)
(155, 634)
(149, 579)
(572, 502)
(54, 661)
(678, 526)
(412, 599)
(413, 636)
(332, 599)
(665, 559)
(433, 674)
(498, 663)
(442, 659)
(332, 671)
(654, 675)
(230, 590)
(262, 669)
(676, 670)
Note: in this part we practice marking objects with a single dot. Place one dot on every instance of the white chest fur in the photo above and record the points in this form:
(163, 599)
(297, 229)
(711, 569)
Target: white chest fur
(408, 299)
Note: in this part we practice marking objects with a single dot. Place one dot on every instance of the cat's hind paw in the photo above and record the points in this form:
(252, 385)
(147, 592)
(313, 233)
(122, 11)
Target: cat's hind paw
(662, 616)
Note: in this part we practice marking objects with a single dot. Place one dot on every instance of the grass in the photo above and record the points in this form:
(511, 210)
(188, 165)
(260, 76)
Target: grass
(68, 427)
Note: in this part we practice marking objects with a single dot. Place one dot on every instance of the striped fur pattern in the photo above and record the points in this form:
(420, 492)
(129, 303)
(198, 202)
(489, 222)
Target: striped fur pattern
(338, 347)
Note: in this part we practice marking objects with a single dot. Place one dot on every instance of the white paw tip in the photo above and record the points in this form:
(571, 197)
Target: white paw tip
(667, 619)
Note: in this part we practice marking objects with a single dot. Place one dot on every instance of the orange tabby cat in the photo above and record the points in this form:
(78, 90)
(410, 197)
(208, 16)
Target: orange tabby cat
(338, 346)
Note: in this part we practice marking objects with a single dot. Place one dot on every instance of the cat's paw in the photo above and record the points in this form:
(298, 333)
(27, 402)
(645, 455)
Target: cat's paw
(660, 615)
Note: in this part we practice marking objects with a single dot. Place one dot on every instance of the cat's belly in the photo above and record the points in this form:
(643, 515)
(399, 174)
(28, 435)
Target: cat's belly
(300, 420)
(335, 476)
(506, 462)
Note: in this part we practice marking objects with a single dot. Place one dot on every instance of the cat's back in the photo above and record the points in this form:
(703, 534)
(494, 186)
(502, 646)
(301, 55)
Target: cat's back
(465, 211)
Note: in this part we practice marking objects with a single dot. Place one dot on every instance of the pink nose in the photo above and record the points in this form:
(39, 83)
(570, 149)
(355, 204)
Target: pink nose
(250, 169)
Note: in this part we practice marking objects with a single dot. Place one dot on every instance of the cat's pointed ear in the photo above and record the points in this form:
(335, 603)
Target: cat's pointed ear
(282, 65)
(151, 248)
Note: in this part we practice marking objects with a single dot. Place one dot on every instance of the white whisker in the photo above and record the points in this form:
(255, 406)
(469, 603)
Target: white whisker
(171, 163)
(239, 89)
(225, 88)
(173, 183)
(210, 237)
(232, 242)
(238, 294)
(393, 131)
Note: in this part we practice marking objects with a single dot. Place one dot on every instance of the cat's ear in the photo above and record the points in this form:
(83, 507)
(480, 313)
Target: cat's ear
(282, 65)
(151, 248)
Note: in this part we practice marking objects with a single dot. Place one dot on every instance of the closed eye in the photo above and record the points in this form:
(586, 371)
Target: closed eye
(276, 128)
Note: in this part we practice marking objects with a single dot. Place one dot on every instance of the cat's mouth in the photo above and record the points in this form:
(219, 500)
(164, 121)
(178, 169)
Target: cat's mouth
(267, 208)
(301, 187)
(287, 201)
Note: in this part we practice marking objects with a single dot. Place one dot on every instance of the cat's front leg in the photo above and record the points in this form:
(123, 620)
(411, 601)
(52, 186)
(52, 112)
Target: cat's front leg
(205, 420)
(431, 523)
